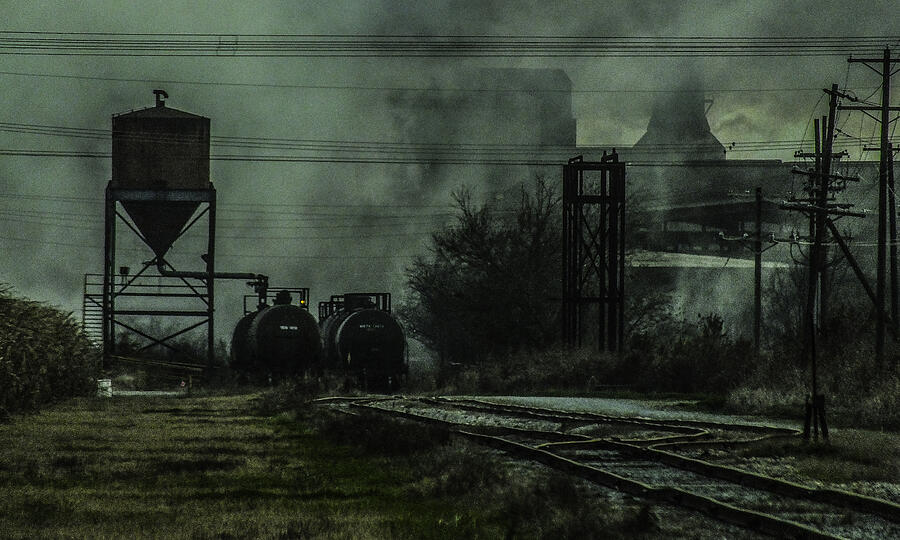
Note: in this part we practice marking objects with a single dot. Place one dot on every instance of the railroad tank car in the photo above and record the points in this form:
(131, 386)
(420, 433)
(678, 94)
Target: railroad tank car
(363, 340)
(277, 341)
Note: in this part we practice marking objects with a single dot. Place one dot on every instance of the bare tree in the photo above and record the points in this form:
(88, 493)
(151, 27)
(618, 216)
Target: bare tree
(484, 289)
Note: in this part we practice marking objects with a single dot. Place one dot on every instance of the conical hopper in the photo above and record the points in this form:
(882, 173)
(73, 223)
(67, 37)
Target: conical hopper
(159, 223)
(160, 149)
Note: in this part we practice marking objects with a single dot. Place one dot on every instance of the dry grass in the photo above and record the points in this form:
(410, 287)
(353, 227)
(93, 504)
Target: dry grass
(849, 456)
(212, 467)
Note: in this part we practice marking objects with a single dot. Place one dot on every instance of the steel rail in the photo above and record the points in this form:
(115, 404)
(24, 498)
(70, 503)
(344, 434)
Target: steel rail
(672, 424)
(656, 451)
(750, 519)
(653, 452)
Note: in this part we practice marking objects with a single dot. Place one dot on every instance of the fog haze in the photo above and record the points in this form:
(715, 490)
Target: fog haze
(355, 226)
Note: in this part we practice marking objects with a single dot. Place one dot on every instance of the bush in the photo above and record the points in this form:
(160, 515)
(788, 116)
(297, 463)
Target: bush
(482, 290)
(682, 357)
(292, 396)
(559, 368)
(857, 391)
(376, 434)
(44, 355)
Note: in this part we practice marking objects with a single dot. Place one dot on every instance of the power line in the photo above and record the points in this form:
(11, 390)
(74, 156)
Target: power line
(389, 152)
(228, 206)
(363, 236)
(384, 45)
(385, 147)
(352, 87)
(241, 223)
(382, 160)
(257, 256)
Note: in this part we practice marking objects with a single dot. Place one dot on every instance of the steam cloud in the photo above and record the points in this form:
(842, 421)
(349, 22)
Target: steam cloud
(62, 229)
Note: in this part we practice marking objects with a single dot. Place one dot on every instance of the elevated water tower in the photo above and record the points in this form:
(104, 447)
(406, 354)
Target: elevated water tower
(160, 178)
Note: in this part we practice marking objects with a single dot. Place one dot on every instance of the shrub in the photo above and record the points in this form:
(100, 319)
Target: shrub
(858, 392)
(482, 289)
(44, 355)
(683, 357)
(292, 395)
(536, 371)
(554, 505)
(375, 434)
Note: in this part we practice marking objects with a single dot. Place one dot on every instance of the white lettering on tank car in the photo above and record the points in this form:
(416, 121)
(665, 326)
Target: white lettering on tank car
(371, 326)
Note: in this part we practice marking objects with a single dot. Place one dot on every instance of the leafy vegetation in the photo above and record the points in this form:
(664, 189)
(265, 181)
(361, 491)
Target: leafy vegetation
(483, 291)
(556, 369)
(859, 392)
(44, 356)
(682, 357)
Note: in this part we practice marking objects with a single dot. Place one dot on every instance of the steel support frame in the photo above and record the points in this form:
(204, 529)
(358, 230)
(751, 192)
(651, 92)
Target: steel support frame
(206, 292)
(594, 251)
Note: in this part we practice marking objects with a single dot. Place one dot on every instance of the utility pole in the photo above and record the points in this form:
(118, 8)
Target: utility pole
(893, 226)
(885, 108)
(824, 189)
(757, 275)
(823, 247)
(819, 207)
(755, 245)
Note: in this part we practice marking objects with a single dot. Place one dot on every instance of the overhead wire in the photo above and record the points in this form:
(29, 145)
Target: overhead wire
(387, 152)
(257, 256)
(435, 46)
(356, 87)
(231, 206)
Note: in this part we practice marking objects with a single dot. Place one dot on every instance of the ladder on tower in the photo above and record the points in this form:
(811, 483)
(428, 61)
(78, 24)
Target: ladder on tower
(92, 308)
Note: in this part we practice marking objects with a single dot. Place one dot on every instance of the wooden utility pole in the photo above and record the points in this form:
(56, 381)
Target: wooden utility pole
(893, 227)
(823, 247)
(822, 203)
(755, 244)
(819, 209)
(809, 314)
(883, 211)
(757, 275)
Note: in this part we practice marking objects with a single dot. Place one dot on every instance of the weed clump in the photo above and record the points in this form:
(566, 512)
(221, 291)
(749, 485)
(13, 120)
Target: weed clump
(289, 396)
(533, 371)
(555, 505)
(376, 434)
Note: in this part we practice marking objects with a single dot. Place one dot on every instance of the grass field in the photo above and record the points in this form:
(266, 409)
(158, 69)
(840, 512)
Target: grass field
(266, 466)
(212, 467)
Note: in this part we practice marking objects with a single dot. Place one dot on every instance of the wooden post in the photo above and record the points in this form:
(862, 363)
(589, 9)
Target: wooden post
(892, 213)
(757, 275)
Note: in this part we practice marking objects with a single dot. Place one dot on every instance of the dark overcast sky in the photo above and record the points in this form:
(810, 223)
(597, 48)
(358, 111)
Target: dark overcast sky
(48, 244)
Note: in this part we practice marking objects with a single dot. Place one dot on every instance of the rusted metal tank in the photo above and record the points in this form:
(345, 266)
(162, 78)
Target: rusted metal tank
(160, 149)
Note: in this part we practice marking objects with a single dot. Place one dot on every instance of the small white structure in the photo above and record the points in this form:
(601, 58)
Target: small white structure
(104, 388)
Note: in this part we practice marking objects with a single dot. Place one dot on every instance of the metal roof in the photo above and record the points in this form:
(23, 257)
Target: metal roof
(159, 111)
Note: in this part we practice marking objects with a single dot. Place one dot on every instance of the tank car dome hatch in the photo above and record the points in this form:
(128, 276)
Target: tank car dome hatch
(282, 298)
(160, 148)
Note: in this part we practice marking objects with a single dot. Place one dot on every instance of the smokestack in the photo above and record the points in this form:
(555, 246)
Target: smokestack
(678, 128)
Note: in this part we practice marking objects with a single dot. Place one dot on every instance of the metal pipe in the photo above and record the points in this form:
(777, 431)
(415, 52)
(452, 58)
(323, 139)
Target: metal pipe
(205, 275)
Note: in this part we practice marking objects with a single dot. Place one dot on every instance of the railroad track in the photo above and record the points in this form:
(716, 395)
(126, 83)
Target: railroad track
(638, 456)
